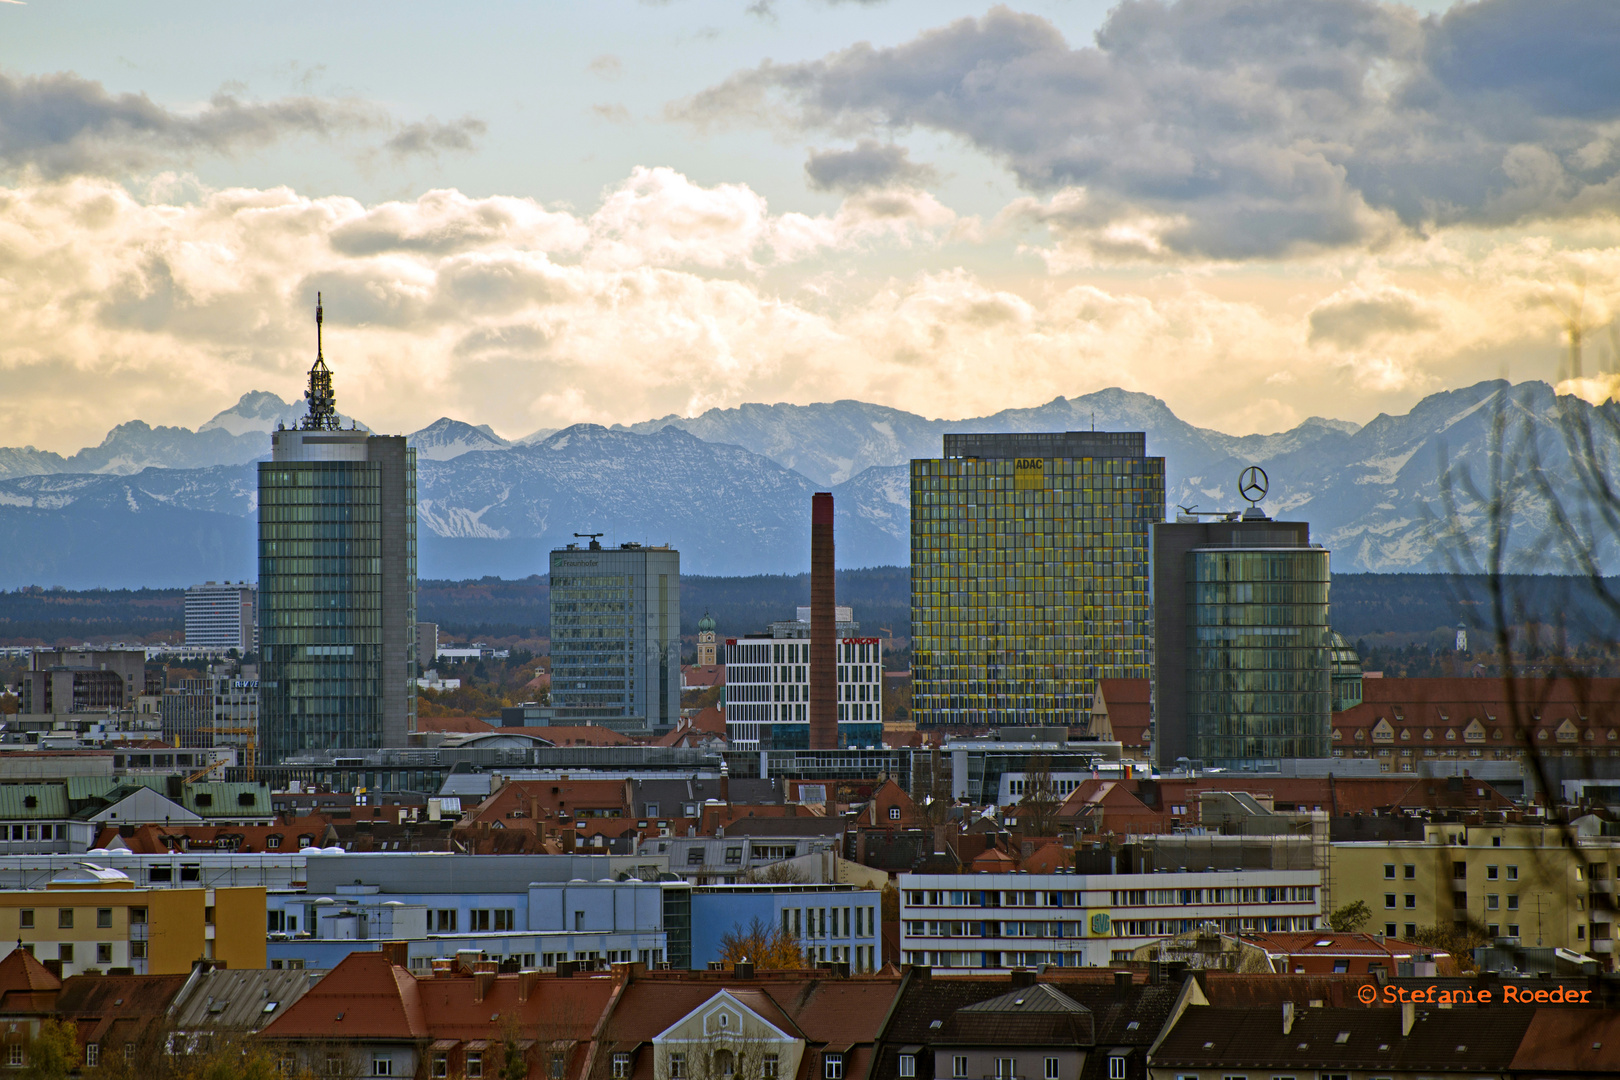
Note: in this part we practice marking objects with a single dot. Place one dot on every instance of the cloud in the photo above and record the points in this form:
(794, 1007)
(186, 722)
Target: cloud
(607, 66)
(870, 164)
(1351, 317)
(613, 112)
(1246, 129)
(673, 296)
(432, 137)
(62, 125)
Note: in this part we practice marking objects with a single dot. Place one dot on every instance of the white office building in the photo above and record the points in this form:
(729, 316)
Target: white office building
(994, 922)
(768, 686)
(223, 615)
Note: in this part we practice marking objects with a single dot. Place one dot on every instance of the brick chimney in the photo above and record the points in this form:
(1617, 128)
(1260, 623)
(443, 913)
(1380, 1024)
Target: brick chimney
(823, 627)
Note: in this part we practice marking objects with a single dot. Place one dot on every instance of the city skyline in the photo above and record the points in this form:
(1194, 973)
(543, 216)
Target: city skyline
(530, 218)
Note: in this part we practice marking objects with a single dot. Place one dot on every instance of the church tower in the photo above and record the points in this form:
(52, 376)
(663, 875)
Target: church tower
(706, 650)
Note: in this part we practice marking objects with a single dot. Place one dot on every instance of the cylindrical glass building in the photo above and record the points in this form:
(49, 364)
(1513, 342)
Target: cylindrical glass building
(1258, 655)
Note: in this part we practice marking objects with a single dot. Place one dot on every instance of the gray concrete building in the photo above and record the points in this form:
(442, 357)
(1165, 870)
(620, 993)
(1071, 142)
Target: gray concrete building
(337, 584)
(615, 636)
(83, 680)
(223, 615)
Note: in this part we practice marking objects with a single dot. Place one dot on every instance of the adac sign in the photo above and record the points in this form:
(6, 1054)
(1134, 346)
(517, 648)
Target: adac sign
(1029, 474)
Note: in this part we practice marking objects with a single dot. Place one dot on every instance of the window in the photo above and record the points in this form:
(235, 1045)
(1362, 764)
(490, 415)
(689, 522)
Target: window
(959, 1066)
(1411, 900)
(621, 1066)
(92, 1055)
(137, 916)
(1492, 902)
(334, 1064)
(504, 919)
(25, 918)
(64, 918)
(64, 953)
(1411, 931)
(1389, 870)
(1389, 899)
(1051, 1068)
(104, 952)
(694, 857)
(137, 950)
(770, 1067)
(1116, 1067)
(832, 1066)
(441, 1066)
(1389, 929)
(1513, 901)
(382, 1065)
(894, 813)
(129, 1057)
(1490, 873)
(14, 1056)
(445, 920)
(1411, 873)
(1513, 873)
(475, 1063)
(103, 917)
(908, 1065)
(556, 1066)
(478, 919)
(677, 1066)
(733, 856)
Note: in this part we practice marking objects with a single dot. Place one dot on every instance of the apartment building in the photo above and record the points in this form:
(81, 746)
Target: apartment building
(90, 917)
(1518, 881)
(991, 922)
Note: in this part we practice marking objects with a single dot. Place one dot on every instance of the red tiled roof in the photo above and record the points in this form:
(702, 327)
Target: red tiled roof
(1570, 1040)
(365, 997)
(694, 677)
(26, 985)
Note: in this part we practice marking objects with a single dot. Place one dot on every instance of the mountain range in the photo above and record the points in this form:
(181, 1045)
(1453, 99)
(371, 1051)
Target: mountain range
(730, 487)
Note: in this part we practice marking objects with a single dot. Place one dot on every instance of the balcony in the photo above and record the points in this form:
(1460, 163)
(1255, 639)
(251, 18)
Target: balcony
(137, 931)
(1603, 945)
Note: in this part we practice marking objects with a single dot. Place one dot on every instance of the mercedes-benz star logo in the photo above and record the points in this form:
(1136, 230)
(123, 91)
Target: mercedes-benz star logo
(1252, 484)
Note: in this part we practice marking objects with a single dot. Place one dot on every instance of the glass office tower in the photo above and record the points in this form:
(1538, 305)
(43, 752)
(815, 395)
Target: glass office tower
(337, 585)
(615, 636)
(1029, 574)
(1244, 646)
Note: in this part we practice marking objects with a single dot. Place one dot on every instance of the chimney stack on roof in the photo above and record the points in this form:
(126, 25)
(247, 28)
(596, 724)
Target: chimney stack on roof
(823, 627)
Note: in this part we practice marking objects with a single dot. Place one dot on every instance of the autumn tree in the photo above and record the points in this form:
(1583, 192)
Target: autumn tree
(1350, 918)
(767, 946)
(53, 1054)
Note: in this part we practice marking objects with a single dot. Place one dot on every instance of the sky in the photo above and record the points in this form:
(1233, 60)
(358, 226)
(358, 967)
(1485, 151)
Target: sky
(534, 215)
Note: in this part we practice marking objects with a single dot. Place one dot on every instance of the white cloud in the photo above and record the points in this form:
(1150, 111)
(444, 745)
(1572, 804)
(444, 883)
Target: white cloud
(501, 310)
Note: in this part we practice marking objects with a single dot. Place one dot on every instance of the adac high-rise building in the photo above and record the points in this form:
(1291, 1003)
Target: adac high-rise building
(337, 583)
(1029, 574)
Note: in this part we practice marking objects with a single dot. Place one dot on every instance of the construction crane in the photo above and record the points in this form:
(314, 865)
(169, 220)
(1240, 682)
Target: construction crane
(247, 750)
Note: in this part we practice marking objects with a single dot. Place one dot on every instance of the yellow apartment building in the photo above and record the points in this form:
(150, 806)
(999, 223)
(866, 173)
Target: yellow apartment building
(93, 918)
(1518, 881)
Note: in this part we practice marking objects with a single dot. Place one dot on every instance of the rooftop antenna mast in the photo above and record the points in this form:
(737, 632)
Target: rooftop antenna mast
(322, 414)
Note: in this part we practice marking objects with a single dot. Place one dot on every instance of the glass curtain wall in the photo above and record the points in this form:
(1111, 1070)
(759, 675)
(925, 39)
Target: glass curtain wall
(1258, 655)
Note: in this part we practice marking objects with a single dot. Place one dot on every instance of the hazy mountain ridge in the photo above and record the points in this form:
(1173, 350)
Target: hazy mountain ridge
(719, 487)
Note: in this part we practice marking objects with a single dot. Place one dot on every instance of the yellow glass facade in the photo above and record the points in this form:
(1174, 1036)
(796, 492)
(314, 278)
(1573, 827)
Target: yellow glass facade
(1029, 583)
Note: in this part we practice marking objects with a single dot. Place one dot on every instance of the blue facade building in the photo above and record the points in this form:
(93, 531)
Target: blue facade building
(833, 923)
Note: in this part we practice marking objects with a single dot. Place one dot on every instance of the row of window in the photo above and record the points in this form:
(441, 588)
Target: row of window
(65, 917)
